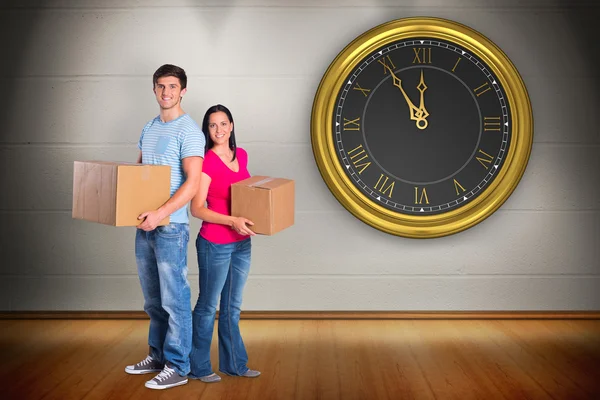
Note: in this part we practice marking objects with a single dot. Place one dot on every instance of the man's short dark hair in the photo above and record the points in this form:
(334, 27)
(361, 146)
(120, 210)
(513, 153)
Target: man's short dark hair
(170, 70)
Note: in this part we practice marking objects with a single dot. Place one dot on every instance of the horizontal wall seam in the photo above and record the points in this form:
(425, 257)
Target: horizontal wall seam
(512, 7)
(245, 143)
(253, 276)
(558, 314)
(145, 77)
(261, 77)
(8, 211)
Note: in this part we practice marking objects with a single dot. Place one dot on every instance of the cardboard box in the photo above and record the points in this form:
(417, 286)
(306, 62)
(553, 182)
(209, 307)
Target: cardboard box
(115, 193)
(266, 201)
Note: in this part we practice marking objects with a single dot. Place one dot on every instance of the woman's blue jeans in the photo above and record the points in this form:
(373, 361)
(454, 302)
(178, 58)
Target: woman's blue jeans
(223, 271)
(161, 256)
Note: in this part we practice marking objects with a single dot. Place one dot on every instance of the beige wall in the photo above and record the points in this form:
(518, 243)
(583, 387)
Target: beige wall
(76, 80)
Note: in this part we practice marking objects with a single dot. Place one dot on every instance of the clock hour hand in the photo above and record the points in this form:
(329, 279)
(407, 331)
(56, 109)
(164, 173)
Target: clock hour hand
(417, 114)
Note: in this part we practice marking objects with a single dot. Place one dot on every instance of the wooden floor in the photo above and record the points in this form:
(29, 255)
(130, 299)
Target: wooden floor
(317, 359)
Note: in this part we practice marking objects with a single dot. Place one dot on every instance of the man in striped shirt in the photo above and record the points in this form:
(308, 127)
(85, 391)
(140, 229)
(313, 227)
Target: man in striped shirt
(174, 139)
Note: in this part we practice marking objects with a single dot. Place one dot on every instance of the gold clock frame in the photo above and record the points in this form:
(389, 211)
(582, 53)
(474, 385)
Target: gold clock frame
(427, 226)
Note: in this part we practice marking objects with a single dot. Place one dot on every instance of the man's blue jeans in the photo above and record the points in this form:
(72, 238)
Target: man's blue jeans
(223, 273)
(161, 256)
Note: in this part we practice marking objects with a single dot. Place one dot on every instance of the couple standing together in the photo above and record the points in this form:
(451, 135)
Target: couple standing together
(204, 163)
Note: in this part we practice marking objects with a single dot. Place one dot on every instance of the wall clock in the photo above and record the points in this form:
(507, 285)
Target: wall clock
(421, 127)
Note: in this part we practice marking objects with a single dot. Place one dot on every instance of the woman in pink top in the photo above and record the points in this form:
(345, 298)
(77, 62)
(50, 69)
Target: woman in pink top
(224, 249)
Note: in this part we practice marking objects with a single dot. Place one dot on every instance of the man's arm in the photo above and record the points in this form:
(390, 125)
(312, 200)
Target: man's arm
(192, 168)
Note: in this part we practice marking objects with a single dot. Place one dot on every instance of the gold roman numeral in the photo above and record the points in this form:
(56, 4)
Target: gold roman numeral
(359, 158)
(422, 55)
(351, 124)
(485, 159)
(363, 90)
(423, 196)
(381, 185)
(456, 65)
(387, 63)
(482, 89)
(458, 186)
(491, 124)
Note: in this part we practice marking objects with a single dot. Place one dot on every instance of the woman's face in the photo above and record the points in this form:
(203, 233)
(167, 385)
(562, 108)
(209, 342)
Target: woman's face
(219, 127)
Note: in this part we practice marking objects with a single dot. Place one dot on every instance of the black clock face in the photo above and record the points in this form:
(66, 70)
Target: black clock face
(421, 126)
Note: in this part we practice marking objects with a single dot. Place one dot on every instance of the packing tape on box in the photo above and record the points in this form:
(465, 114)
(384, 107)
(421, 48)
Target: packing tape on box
(261, 182)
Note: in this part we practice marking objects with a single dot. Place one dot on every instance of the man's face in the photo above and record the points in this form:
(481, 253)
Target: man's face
(168, 92)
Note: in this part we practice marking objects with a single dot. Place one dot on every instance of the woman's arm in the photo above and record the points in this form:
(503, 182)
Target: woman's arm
(199, 210)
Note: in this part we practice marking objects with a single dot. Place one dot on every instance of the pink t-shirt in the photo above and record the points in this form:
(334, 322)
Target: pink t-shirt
(218, 198)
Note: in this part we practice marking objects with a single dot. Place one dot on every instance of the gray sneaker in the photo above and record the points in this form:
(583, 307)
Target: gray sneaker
(251, 373)
(146, 366)
(212, 378)
(167, 378)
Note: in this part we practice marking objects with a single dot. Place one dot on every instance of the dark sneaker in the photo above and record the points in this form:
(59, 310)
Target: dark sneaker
(167, 378)
(146, 366)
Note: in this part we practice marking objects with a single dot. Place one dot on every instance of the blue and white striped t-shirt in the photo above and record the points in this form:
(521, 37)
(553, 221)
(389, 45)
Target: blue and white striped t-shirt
(167, 143)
